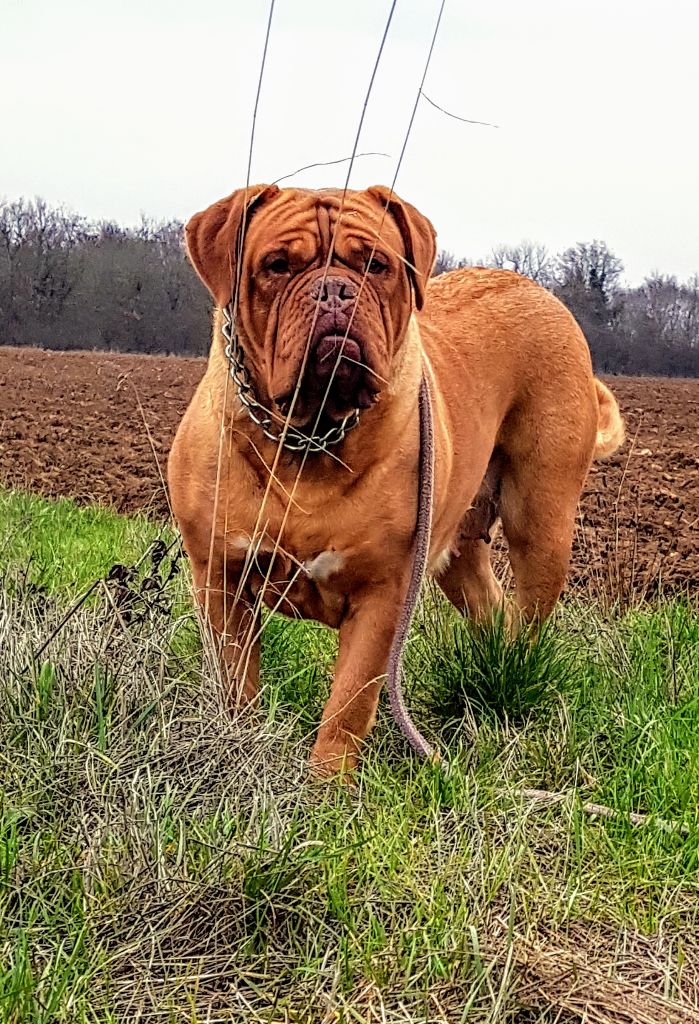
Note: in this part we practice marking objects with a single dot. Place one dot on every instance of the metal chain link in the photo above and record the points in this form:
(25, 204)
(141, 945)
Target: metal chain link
(294, 440)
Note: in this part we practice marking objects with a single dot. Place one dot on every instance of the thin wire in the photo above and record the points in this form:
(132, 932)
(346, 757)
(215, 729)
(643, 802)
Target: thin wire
(368, 92)
(259, 90)
(419, 92)
(388, 201)
(326, 163)
(466, 120)
(219, 459)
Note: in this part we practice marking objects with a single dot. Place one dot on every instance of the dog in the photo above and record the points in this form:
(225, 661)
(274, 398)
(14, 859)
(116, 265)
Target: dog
(332, 318)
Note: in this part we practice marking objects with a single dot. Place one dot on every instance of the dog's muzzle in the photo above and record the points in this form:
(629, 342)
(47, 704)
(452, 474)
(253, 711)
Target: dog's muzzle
(336, 369)
(281, 432)
(336, 357)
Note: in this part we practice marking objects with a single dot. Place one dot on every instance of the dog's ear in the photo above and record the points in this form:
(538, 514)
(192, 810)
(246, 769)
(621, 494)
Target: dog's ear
(214, 238)
(419, 238)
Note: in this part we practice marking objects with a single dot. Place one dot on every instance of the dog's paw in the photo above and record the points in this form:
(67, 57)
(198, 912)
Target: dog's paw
(335, 758)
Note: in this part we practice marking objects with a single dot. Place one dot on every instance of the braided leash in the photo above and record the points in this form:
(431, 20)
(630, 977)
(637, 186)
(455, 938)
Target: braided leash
(421, 549)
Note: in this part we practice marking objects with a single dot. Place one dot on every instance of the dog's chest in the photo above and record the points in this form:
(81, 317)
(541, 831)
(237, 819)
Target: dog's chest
(315, 546)
(312, 587)
(323, 566)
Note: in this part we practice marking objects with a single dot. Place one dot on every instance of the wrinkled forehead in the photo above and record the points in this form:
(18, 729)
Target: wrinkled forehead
(312, 216)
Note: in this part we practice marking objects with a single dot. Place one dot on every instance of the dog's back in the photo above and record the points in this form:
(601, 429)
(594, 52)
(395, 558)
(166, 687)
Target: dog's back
(515, 379)
(518, 340)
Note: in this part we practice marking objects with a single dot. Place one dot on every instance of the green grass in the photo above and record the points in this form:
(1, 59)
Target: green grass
(159, 859)
(60, 547)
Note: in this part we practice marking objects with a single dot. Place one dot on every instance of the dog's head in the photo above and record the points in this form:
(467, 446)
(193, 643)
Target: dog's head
(325, 288)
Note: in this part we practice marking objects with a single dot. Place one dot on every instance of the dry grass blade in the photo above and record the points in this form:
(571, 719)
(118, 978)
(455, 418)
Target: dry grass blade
(595, 810)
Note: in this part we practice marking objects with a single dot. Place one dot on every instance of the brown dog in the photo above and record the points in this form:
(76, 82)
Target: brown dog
(336, 320)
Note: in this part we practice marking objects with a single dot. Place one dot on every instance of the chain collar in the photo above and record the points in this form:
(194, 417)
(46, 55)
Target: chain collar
(293, 440)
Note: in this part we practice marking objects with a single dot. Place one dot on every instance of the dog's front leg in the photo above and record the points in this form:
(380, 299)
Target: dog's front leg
(233, 622)
(366, 635)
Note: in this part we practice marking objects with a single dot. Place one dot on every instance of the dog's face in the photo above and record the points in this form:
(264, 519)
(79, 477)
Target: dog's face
(325, 288)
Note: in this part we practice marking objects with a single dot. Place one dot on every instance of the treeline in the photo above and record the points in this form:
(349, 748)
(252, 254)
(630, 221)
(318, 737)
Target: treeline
(68, 283)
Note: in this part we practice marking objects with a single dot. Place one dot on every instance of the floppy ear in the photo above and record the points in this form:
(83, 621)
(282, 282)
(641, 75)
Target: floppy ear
(418, 238)
(214, 238)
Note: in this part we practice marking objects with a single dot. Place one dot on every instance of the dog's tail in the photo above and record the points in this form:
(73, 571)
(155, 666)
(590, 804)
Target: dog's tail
(610, 425)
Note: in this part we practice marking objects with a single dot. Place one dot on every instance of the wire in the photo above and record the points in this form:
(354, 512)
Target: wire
(325, 163)
(466, 120)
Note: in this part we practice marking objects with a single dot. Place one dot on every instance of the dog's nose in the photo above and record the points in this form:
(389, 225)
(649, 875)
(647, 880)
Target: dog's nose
(334, 291)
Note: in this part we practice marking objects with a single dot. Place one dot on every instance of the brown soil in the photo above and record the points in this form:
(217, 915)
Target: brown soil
(98, 426)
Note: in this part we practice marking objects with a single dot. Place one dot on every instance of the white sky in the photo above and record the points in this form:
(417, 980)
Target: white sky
(145, 106)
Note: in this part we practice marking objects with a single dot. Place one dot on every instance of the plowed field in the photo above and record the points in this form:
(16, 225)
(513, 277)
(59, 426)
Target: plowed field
(98, 427)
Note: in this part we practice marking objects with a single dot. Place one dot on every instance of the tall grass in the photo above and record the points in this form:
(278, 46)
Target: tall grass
(161, 861)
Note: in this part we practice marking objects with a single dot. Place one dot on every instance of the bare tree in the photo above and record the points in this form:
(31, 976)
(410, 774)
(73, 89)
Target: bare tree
(527, 258)
(589, 266)
(661, 323)
(67, 283)
(447, 261)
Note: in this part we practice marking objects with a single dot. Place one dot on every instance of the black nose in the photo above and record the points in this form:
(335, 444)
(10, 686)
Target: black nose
(334, 291)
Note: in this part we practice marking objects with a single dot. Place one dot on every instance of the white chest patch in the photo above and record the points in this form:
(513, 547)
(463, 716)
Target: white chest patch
(324, 565)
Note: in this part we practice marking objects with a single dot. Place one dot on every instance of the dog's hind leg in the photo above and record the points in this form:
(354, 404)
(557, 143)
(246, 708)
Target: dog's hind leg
(539, 526)
(541, 485)
(469, 581)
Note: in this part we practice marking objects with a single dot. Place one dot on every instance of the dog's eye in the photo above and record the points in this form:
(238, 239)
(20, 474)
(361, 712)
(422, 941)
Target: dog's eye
(375, 266)
(279, 265)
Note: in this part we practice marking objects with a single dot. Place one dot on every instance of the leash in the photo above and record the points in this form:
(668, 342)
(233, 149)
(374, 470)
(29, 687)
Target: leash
(421, 549)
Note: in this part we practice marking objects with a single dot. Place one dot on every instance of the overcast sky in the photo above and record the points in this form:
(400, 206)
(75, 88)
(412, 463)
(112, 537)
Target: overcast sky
(145, 106)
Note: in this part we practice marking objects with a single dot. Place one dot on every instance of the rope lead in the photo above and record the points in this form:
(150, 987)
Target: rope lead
(421, 549)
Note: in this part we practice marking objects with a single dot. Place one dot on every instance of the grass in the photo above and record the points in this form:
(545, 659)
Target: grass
(59, 547)
(159, 861)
